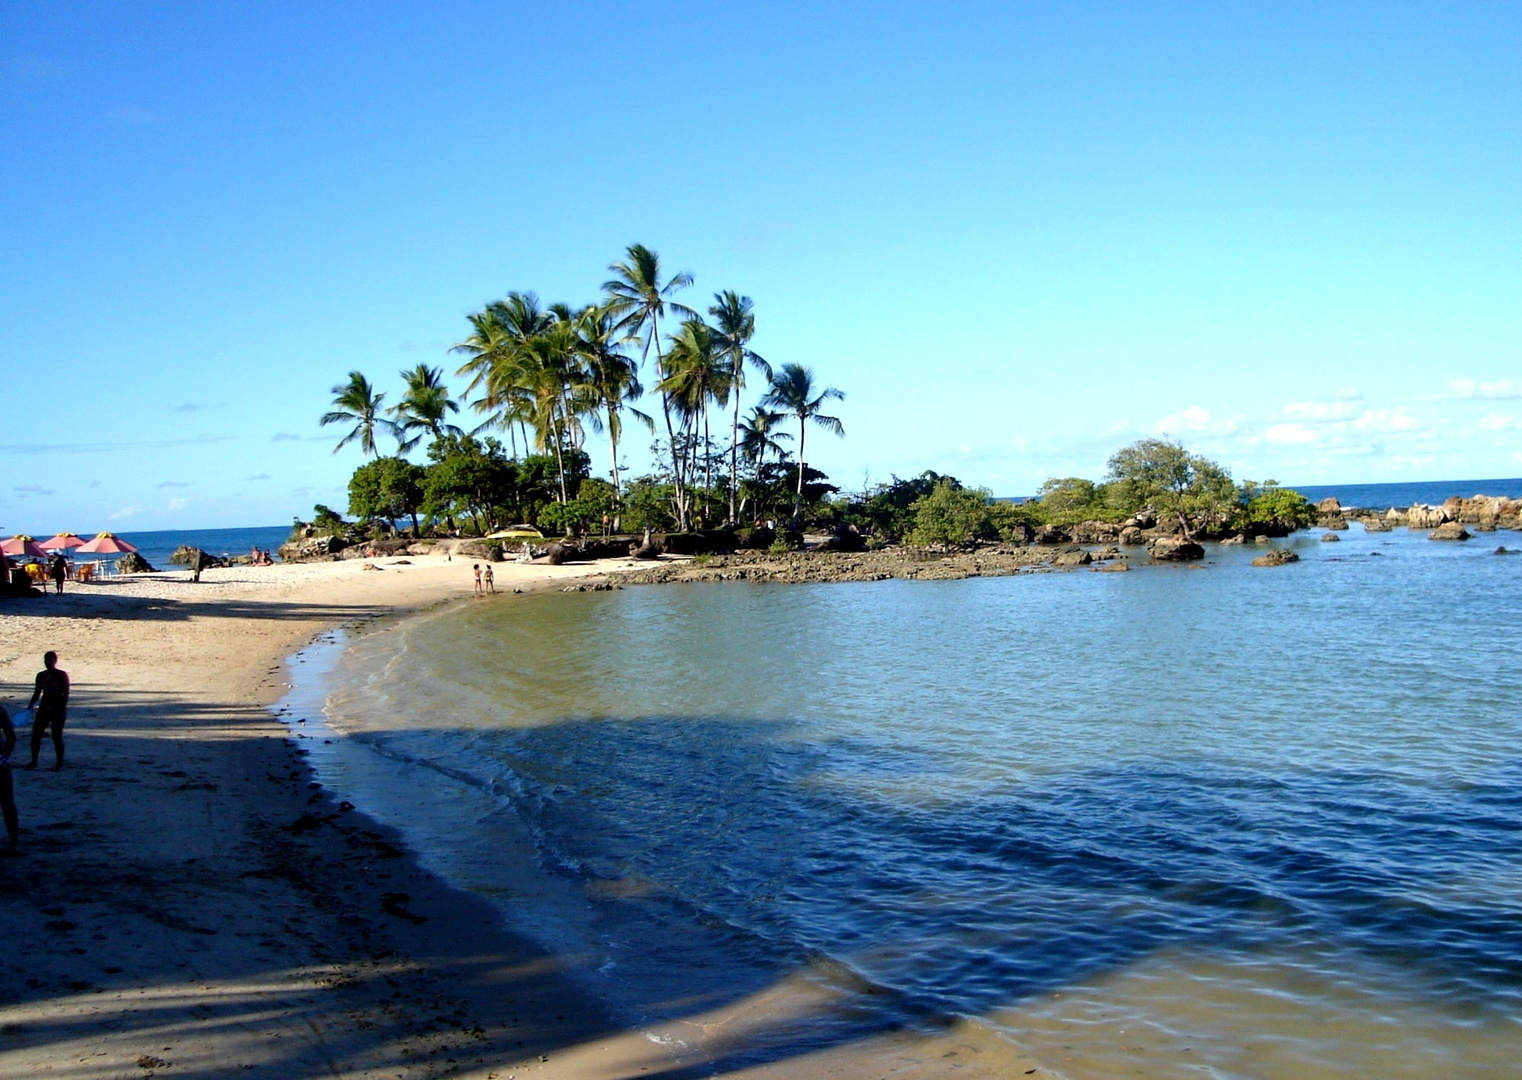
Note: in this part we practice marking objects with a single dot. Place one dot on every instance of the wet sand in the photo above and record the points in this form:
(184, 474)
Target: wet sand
(190, 902)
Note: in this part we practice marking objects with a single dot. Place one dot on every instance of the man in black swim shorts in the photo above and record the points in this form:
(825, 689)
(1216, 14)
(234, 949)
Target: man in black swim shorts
(50, 708)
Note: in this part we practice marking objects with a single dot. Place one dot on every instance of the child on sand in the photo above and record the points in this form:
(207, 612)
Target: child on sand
(489, 579)
(476, 567)
(50, 708)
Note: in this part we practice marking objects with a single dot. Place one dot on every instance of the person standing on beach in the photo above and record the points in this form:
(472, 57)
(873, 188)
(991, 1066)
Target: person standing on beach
(476, 568)
(58, 571)
(7, 785)
(489, 579)
(50, 708)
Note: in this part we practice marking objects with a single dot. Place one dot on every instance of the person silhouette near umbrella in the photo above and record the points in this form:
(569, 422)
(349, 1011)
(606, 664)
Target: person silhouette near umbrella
(58, 570)
(50, 708)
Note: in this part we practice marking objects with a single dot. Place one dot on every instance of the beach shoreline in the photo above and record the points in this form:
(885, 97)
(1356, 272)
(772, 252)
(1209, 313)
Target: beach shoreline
(191, 900)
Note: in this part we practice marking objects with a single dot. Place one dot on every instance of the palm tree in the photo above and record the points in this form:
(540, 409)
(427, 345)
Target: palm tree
(424, 406)
(759, 436)
(357, 401)
(495, 361)
(734, 325)
(695, 373)
(792, 391)
(638, 300)
(612, 379)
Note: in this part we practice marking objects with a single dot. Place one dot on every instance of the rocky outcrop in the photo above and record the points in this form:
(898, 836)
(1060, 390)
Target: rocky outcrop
(1276, 557)
(1165, 549)
(1131, 536)
(1052, 534)
(1329, 506)
(1450, 530)
(1374, 524)
(1336, 521)
(1425, 517)
(1330, 538)
(133, 563)
(1072, 556)
(843, 538)
(1095, 532)
(311, 549)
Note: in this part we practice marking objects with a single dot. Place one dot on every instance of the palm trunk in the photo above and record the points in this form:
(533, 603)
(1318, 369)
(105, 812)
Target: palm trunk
(798, 499)
(618, 490)
(734, 453)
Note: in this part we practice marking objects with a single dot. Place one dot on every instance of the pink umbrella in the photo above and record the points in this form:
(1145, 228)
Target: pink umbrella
(22, 545)
(106, 544)
(62, 542)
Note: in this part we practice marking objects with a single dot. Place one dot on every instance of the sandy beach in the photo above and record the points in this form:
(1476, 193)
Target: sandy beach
(191, 902)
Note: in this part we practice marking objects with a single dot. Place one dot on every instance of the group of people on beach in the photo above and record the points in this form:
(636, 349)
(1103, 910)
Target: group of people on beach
(50, 708)
(486, 581)
(260, 557)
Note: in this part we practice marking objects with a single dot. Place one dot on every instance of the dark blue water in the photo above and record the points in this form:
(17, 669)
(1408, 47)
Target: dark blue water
(157, 546)
(1428, 493)
(1270, 819)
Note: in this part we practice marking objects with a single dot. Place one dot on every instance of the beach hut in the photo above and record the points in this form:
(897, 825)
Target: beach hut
(62, 542)
(22, 546)
(106, 544)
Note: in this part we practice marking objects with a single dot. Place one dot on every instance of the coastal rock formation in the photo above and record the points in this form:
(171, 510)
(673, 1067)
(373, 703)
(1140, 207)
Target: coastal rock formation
(1276, 557)
(1052, 534)
(1165, 549)
(1329, 506)
(1451, 530)
(1374, 524)
(133, 563)
(1337, 522)
(311, 549)
(1131, 536)
(1330, 538)
(1073, 556)
(1425, 517)
(1095, 532)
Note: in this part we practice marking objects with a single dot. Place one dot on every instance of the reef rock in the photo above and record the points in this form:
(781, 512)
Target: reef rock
(1425, 517)
(133, 563)
(1165, 549)
(1450, 530)
(1330, 538)
(1276, 557)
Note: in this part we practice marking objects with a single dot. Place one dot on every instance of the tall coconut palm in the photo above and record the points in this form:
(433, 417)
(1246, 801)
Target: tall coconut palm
(612, 379)
(495, 360)
(793, 392)
(759, 436)
(425, 407)
(356, 401)
(638, 299)
(734, 324)
(550, 364)
(695, 374)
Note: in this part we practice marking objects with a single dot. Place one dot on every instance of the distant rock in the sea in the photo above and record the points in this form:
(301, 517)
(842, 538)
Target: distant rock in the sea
(1277, 557)
(1330, 538)
(1451, 530)
(1166, 549)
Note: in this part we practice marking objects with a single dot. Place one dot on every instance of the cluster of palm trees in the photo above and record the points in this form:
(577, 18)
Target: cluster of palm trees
(544, 374)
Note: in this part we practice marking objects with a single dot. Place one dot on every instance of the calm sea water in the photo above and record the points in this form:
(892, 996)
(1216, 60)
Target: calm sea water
(1218, 821)
(157, 546)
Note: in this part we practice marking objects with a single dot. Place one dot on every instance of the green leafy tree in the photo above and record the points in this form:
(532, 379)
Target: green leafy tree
(1072, 499)
(469, 477)
(887, 509)
(1271, 510)
(950, 514)
(794, 393)
(387, 488)
(357, 402)
(1174, 482)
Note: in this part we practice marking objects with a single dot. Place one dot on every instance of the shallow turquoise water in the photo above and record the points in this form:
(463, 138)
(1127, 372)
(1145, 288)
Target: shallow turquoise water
(1251, 822)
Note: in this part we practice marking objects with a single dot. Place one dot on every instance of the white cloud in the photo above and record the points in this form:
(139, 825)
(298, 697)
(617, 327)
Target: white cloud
(178, 504)
(1385, 420)
(1500, 390)
(129, 511)
(1321, 410)
(1193, 418)
(1497, 422)
(1290, 434)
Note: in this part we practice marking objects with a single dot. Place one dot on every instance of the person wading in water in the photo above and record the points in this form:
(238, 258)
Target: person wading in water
(50, 705)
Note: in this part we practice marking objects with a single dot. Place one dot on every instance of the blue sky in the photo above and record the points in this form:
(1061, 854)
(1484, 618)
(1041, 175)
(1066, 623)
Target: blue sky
(1017, 236)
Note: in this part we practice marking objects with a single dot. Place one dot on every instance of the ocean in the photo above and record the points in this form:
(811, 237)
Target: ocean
(157, 546)
(1220, 820)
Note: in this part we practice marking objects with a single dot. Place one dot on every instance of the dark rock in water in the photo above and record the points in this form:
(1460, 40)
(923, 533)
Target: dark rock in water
(133, 563)
(1169, 550)
(1376, 554)
(1502, 551)
(1113, 568)
(1276, 557)
(1145, 519)
(1339, 523)
(1260, 540)
(1073, 556)
(1131, 536)
(1484, 526)
(1372, 524)
(1329, 506)
(1330, 538)
(1449, 530)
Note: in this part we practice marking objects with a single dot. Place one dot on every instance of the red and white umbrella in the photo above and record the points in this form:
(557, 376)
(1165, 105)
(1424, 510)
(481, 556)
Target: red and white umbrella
(22, 545)
(106, 544)
(62, 542)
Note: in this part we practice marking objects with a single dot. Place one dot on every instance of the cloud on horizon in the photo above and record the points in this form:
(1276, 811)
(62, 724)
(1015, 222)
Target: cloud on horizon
(174, 484)
(24, 490)
(108, 447)
(1472, 389)
(198, 406)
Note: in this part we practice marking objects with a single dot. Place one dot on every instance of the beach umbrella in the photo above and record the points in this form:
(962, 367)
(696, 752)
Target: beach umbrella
(106, 544)
(22, 545)
(62, 542)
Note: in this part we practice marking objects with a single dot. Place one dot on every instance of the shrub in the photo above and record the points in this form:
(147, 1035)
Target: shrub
(950, 515)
